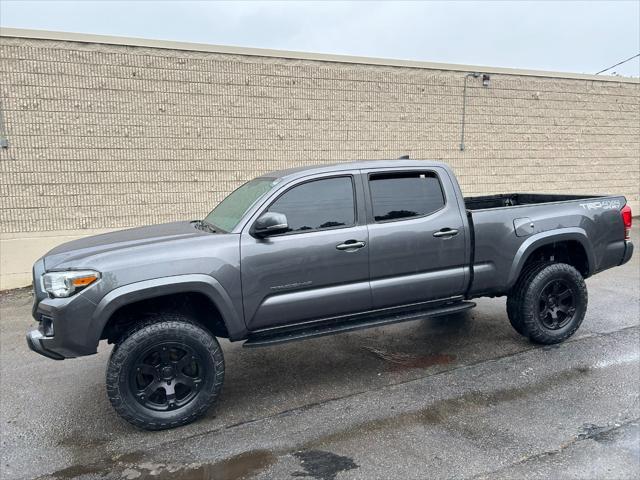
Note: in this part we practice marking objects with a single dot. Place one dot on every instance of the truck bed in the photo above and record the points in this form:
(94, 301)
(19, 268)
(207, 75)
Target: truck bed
(504, 226)
(514, 199)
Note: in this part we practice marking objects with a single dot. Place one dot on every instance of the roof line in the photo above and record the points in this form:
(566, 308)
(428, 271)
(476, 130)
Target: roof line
(320, 57)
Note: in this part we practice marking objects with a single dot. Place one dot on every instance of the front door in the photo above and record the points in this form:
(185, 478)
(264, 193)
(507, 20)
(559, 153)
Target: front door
(417, 237)
(319, 267)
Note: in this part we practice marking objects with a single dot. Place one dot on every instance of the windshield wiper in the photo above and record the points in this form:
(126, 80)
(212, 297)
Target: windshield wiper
(206, 226)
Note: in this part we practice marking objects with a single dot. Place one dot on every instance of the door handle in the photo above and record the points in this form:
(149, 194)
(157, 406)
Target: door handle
(351, 245)
(446, 232)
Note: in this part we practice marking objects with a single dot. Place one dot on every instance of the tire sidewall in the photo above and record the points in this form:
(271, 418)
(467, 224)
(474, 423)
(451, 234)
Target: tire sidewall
(516, 297)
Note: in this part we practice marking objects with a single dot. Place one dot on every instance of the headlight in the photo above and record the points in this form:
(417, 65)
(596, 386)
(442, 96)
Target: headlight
(65, 284)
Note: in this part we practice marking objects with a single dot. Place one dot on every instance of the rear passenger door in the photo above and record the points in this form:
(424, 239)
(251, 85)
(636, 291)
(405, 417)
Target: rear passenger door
(416, 237)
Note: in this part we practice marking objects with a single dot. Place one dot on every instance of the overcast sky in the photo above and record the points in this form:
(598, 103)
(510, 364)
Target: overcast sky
(570, 36)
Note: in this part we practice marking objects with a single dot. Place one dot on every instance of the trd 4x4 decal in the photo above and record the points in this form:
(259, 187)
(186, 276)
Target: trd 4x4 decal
(604, 205)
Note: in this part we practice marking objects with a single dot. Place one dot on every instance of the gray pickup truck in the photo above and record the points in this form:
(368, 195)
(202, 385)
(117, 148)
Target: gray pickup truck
(314, 251)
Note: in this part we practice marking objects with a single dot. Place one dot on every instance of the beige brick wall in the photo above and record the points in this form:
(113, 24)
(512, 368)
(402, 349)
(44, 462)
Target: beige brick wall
(108, 136)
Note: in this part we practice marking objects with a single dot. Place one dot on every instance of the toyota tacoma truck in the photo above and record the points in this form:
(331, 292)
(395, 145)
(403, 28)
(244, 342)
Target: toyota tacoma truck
(314, 251)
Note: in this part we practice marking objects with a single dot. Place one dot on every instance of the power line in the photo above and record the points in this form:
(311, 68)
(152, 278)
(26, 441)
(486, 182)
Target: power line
(624, 61)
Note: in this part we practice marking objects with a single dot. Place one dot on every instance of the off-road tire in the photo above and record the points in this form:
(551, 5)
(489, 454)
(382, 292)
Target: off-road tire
(164, 329)
(525, 305)
(514, 298)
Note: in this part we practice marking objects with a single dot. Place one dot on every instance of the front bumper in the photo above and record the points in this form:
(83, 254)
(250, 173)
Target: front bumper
(34, 340)
(64, 328)
(64, 324)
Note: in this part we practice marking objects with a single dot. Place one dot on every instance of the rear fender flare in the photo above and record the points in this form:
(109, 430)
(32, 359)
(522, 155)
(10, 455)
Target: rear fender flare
(196, 283)
(534, 242)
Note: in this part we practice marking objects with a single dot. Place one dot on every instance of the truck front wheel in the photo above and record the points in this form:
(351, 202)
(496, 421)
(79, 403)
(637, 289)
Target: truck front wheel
(165, 373)
(549, 303)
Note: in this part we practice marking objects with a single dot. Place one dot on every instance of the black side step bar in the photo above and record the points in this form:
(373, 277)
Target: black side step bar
(267, 339)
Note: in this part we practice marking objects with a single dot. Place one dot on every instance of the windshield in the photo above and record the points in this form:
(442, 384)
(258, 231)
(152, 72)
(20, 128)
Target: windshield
(230, 211)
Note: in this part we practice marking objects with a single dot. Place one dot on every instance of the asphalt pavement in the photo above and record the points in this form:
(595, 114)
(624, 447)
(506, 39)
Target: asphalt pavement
(455, 397)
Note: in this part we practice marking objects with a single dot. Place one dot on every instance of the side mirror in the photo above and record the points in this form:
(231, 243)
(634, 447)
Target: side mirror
(270, 223)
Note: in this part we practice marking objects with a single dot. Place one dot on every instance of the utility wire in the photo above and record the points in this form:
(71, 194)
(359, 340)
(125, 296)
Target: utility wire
(624, 61)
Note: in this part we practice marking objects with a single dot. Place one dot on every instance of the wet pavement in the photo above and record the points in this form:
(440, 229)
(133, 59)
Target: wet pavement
(456, 397)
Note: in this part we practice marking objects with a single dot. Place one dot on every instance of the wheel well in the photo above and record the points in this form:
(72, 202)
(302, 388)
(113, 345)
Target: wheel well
(196, 305)
(569, 251)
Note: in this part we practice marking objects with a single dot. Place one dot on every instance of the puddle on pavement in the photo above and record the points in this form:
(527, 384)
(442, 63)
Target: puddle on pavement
(131, 457)
(404, 361)
(322, 465)
(77, 471)
(130, 467)
(603, 433)
(590, 430)
(234, 468)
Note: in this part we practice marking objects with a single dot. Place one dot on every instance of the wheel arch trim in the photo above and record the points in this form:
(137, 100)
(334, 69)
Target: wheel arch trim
(531, 244)
(158, 287)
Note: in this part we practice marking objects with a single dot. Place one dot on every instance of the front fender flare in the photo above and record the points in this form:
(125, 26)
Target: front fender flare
(157, 287)
(545, 238)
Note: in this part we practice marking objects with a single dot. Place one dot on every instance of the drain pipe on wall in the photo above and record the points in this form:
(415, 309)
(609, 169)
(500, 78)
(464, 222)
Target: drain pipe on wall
(4, 141)
(485, 83)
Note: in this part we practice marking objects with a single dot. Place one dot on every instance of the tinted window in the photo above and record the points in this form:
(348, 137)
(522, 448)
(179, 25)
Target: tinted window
(405, 195)
(317, 205)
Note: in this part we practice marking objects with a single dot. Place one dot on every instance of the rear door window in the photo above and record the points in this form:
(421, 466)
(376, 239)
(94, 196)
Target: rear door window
(397, 196)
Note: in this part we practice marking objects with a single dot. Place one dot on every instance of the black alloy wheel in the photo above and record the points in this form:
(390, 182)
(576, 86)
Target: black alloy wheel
(556, 305)
(167, 376)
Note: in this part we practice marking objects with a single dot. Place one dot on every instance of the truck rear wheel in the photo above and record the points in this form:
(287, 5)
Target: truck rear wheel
(165, 373)
(548, 303)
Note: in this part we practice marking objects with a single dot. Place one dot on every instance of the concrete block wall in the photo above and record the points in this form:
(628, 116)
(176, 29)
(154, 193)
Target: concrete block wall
(107, 133)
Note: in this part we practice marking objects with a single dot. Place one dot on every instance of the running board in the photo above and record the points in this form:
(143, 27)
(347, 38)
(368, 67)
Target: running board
(320, 330)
